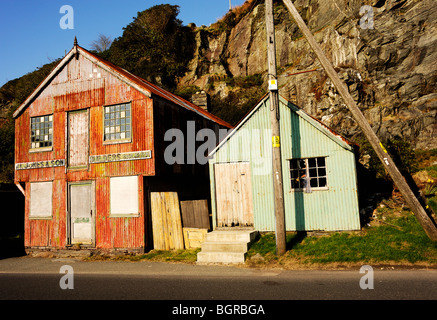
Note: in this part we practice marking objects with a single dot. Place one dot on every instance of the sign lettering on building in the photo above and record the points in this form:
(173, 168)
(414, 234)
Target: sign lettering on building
(126, 156)
(40, 164)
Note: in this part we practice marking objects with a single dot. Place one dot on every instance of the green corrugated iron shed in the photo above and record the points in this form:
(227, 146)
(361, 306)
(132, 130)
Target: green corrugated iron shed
(319, 174)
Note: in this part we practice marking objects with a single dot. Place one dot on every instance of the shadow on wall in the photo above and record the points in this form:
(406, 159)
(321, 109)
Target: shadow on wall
(371, 191)
(296, 153)
(12, 222)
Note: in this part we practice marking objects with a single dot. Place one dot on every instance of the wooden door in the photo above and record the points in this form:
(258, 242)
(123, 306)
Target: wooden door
(78, 139)
(233, 194)
(81, 213)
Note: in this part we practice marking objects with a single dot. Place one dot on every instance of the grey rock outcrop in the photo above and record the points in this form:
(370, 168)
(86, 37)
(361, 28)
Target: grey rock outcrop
(390, 69)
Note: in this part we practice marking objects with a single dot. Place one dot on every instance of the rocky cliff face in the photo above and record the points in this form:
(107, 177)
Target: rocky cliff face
(390, 69)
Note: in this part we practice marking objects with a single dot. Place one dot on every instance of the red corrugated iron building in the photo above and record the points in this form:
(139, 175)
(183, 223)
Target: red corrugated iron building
(89, 149)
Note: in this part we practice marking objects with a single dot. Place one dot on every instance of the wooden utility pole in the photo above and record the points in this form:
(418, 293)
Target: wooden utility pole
(276, 142)
(400, 182)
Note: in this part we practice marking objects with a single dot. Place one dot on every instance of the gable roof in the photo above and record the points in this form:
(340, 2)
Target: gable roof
(143, 86)
(324, 129)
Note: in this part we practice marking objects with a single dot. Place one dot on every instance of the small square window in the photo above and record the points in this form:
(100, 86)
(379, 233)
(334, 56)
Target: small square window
(306, 174)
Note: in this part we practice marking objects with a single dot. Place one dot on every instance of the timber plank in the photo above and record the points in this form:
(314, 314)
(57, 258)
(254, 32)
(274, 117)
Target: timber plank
(195, 214)
(166, 221)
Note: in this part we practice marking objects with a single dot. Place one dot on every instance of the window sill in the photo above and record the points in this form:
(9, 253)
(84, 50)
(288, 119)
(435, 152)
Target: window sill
(45, 149)
(312, 189)
(78, 168)
(117, 141)
(41, 218)
(128, 215)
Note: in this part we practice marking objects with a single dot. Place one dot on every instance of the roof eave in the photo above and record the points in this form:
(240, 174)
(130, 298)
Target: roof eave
(238, 125)
(43, 84)
(113, 72)
(343, 142)
(123, 75)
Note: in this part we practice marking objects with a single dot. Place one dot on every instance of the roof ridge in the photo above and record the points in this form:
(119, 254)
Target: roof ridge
(132, 79)
(161, 91)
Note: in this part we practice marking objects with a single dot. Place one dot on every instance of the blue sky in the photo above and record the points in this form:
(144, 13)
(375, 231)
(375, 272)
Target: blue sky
(31, 36)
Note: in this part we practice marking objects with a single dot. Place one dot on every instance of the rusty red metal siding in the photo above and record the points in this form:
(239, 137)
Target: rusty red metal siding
(118, 232)
(74, 89)
(47, 232)
(83, 81)
(142, 139)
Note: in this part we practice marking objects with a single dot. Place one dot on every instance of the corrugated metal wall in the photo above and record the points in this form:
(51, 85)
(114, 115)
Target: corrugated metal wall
(332, 209)
(118, 232)
(80, 85)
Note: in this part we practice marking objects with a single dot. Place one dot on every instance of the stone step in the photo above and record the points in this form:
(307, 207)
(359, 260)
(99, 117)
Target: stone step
(225, 246)
(220, 257)
(229, 236)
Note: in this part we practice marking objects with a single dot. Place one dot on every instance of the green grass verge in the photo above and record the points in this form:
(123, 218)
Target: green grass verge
(399, 239)
(186, 256)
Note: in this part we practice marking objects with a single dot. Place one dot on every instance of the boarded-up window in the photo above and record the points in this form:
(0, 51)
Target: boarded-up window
(78, 139)
(41, 200)
(124, 195)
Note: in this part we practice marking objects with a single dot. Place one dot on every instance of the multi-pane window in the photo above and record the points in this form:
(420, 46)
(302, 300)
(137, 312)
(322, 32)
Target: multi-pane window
(41, 131)
(312, 170)
(118, 122)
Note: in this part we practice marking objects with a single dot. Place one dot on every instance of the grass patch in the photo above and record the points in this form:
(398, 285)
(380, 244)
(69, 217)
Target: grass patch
(402, 241)
(186, 256)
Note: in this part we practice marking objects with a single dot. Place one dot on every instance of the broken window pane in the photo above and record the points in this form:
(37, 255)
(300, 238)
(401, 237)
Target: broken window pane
(118, 114)
(316, 173)
(39, 133)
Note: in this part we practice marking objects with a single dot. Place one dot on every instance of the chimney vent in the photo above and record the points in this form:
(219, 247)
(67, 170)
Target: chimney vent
(201, 99)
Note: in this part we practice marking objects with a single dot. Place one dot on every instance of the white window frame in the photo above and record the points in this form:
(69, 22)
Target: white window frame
(41, 200)
(38, 120)
(123, 196)
(307, 172)
(110, 126)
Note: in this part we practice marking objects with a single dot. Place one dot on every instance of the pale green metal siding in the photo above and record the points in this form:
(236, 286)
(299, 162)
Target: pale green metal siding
(301, 137)
(252, 142)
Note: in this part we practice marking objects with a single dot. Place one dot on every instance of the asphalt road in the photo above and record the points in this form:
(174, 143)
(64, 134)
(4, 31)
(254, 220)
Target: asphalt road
(182, 285)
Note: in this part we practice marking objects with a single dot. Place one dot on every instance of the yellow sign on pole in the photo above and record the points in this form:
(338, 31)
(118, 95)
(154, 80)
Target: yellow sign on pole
(275, 142)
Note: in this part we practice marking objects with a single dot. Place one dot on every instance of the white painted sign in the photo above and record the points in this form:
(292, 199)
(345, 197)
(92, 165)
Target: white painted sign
(40, 164)
(127, 156)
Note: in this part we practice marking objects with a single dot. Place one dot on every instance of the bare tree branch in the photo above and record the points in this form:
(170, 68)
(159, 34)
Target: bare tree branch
(102, 43)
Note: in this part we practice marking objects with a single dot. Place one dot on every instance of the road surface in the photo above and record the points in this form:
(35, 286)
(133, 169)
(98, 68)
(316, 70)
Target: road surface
(182, 286)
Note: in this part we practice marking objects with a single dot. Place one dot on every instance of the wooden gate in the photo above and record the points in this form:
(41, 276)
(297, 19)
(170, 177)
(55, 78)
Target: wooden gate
(233, 194)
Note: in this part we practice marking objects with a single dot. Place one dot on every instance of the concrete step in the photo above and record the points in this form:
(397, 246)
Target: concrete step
(230, 236)
(220, 257)
(225, 246)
